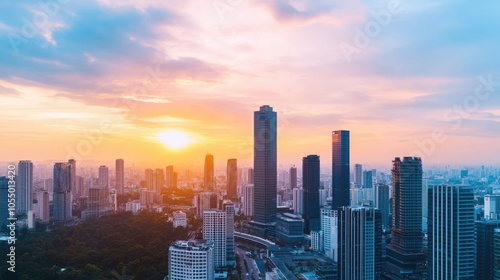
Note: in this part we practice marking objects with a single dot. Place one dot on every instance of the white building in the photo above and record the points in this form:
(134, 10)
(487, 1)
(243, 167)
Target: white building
(317, 240)
(190, 260)
(329, 228)
(491, 207)
(214, 229)
(298, 201)
(42, 206)
(180, 219)
(133, 206)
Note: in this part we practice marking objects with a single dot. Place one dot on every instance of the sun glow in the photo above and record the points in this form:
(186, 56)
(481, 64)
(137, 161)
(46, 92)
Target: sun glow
(175, 139)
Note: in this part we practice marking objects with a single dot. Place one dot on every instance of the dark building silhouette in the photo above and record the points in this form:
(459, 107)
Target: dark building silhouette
(4, 209)
(405, 256)
(62, 192)
(119, 173)
(293, 177)
(340, 169)
(208, 175)
(265, 171)
(485, 245)
(310, 185)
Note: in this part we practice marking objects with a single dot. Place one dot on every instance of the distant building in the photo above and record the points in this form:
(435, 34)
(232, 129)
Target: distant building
(367, 179)
(169, 176)
(191, 260)
(317, 240)
(207, 201)
(232, 179)
(310, 184)
(149, 176)
(298, 201)
(120, 173)
(208, 175)
(382, 202)
(329, 226)
(360, 243)
(97, 203)
(159, 181)
(103, 176)
(62, 211)
(133, 206)
(293, 177)
(451, 233)
(180, 219)
(24, 187)
(358, 175)
(492, 207)
(4, 208)
(248, 200)
(42, 206)
(228, 207)
(485, 248)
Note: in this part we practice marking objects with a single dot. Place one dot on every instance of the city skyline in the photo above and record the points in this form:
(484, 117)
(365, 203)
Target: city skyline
(192, 73)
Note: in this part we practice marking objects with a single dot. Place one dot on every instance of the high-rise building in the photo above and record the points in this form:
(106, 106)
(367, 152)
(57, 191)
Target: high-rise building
(97, 202)
(228, 207)
(290, 229)
(360, 243)
(340, 169)
(214, 229)
(159, 181)
(4, 208)
(250, 176)
(174, 180)
(485, 245)
(24, 187)
(208, 175)
(169, 176)
(248, 200)
(120, 176)
(298, 201)
(103, 176)
(62, 192)
(72, 175)
(293, 177)
(180, 219)
(191, 260)
(42, 206)
(358, 175)
(232, 179)
(150, 179)
(310, 184)
(382, 202)
(405, 256)
(451, 252)
(206, 201)
(367, 179)
(329, 226)
(492, 207)
(265, 170)
(496, 253)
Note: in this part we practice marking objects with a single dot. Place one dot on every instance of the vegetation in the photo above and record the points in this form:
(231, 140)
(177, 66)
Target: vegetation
(117, 246)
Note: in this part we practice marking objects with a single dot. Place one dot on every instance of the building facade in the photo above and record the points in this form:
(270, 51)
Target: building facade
(340, 169)
(191, 260)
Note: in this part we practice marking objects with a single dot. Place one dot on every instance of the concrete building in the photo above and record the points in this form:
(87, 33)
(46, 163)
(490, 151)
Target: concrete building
(191, 260)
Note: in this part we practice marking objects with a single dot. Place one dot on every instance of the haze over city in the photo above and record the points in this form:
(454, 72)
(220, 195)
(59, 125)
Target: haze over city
(144, 73)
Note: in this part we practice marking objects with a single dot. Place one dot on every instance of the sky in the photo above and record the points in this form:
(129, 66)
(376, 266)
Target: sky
(103, 79)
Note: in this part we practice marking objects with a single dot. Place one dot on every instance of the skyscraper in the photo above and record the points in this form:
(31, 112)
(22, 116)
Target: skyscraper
(24, 188)
(228, 207)
(358, 175)
(310, 184)
(232, 179)
(492, 207)
(169, 176)
(149, 175)
(191, 260)
(42, 206)
(405, 256)
(4, 208)
(329, 226)
(208, 175)
(120, 173)
(214, 229)
(382, 202)
(485, 253)
(360, 243)
(367, 179)
(451, 233)
(72, 175)
(293, 177)
(248, 200)
(62, 192)
(265, 170)
(159, 180)
(103, 176)
(250, 175)
(340, 169)
(298, 201)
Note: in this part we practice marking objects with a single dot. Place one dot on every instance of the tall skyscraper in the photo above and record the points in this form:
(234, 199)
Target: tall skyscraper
(367, 179)
(310, 184)
(120, 176)
(24, 188)
(149, 175)
(360, 243)
(169, 176)
(208, 175)
(215, 230)
(228, 207)
(340, 169)
(293, 177)
(451, 233)
(72, 175)
(191, 260)
(358, 175)
(248, 200)
(42, 206)
(159, 181)
(485, 249)
(496, 253)
(103, 176)
(382, 202)
(232, 179)
(206, 201)
(265, 170)
(405, 256)
(4, 208)
(62, 192)
(492, 207)
(250, 175)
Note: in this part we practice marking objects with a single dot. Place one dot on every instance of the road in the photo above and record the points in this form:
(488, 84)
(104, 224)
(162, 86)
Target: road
(253, 271)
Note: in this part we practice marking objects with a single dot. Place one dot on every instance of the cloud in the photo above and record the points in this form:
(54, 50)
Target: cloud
(8, 91)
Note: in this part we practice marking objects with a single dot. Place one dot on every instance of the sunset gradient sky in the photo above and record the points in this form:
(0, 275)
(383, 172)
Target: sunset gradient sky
(103, 79)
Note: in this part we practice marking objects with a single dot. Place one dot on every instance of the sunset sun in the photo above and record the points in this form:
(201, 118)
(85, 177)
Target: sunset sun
(175, 139)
